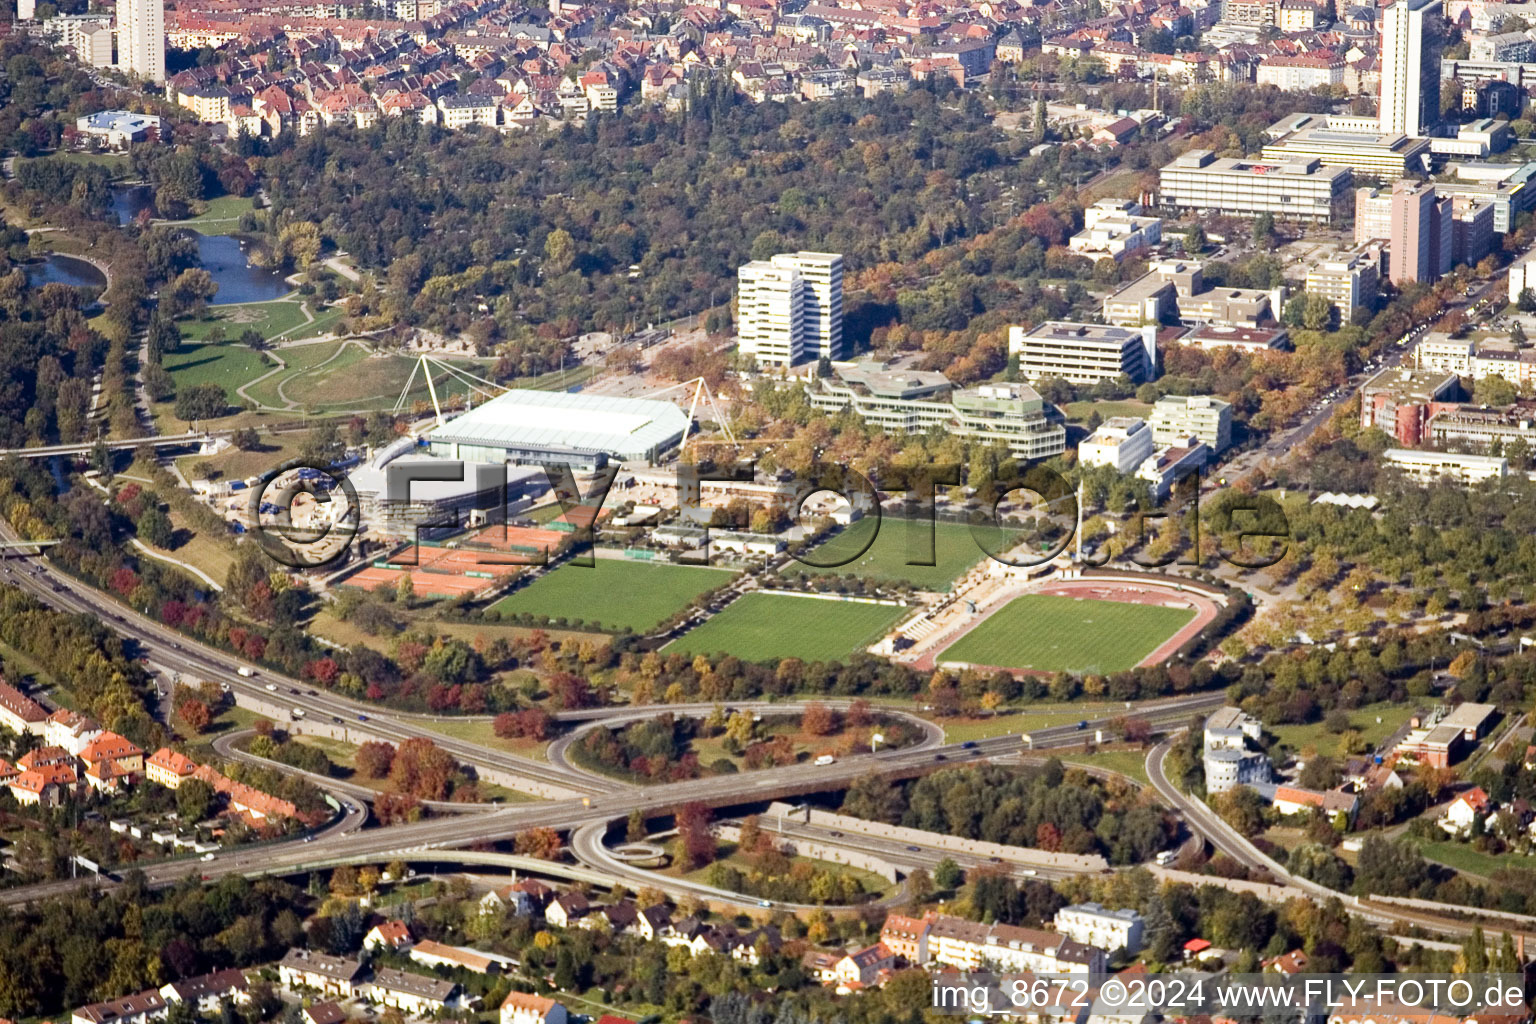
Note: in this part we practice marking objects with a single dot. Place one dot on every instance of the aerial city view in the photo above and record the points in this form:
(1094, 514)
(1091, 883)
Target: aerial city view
(767, 511)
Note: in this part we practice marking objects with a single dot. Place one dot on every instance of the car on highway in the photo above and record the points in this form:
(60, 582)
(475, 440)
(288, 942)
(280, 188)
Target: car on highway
(764, 903)
(968, 745)
(207, 856)
(362, 718)
(272, 687)
(1083, 724)
(914, 849)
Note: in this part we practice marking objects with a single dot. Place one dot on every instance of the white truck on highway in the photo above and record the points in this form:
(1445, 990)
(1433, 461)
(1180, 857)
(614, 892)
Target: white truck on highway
(825, 759)
(247, 672)
(296, 713)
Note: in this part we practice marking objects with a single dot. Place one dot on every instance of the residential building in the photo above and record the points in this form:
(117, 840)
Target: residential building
(770, 310)
(1522, 276)
(461, 111)
(1084, 353)
(862, 968)
(1350, 281)
(437, 954)
(821, 274)
(1400, 401)
(330, 975)
(413, 994)
(44, 786)
(1410, 67)
(1229, 762)
(139, 1008)
(70, 730)
(908, 401)
(1177, 418)
(1338, 805)
(388, 935)
(206, 992)
(1124, 442)
(906, 937)
(325, 1012)
(95, 46)
(1440, 352)
(1301, 190)
(968, 945)
(1426, 466)
(169, 768)
(567, 909)
(141, 39)
(112, 762)
(20, 713)
(1422, 233)
(1095, 925)
(1373, 215)
(1167, 466)
(1471, 229)
(1465, 810)
(1301, 72)
(527, 1008)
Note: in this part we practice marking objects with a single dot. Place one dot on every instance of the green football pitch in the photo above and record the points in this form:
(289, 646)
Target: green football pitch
(614, 594)
(898, 542)
(770, 627)
(1050, 633)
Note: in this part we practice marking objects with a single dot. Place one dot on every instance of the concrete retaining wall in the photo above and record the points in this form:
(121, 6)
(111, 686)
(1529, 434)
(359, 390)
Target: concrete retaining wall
(808, 848)
(1011, 854)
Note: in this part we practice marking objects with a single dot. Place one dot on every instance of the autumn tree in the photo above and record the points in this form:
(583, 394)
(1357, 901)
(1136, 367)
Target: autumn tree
(543, 843)
(698, 839)
(374, 759)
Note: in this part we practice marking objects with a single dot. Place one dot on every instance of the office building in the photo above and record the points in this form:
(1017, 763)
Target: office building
(1484, 427)
(1410, 67)
(1177, 418)
(1522, 275)
(770, 311)
(1427, 467)
(1422, 233)
(1373, 214)
(1301, 190)
(1370, 154)
(1228, 760)
(907, 401)
(1084, 353)
(1400, 401)
(1471, 229)
(790, 308)
(1123, 442)
(1349, 281)
(1167, 466)
(1115, 229)
(1440, 352)
(1507, 186)
(141, 39)
(1244, 339)
(1176, 290)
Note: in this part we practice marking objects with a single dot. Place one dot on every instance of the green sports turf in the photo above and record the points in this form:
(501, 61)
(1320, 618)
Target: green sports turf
(897, 542)
(770, 627)
(616, 594)
(1064, 634)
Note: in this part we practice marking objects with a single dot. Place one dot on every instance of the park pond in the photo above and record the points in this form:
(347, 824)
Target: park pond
(238, 279)
(128, 201)
(56, 268)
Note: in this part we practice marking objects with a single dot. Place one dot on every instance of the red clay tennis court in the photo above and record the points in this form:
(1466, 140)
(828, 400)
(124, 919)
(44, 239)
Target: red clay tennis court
(478, 562)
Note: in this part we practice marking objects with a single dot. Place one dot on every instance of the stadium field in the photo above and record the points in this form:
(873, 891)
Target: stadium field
(897, 542)
(614, 594)
(1049, 633)
(770, 627)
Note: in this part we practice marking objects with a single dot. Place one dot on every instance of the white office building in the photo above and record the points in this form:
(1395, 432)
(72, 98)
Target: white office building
(1522, 275)
(1297, 189)
(1410, 67)
(141, 39)
(1084, 353)
(1427, 467)
(1227, 758)
(1124, 442)
(1094, 924)
(770, 310)
(1177, 418)
(822, 274)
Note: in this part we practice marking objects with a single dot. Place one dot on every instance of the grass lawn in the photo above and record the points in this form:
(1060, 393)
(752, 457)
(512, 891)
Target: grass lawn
(344, 756)
(1126, 762)
(1055, 634)
(1463, 857)
(220, 216)
(1025, 719)
(870, 882)
(1363, 720)
(369, 382)
(300, 360)
(116, 163)
(618, 593)
(897, 542)
(481, 733)
(269, 319)
(345, 633)
(229, 365)
(1080, 411)
(235, 464)
(770, 627)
